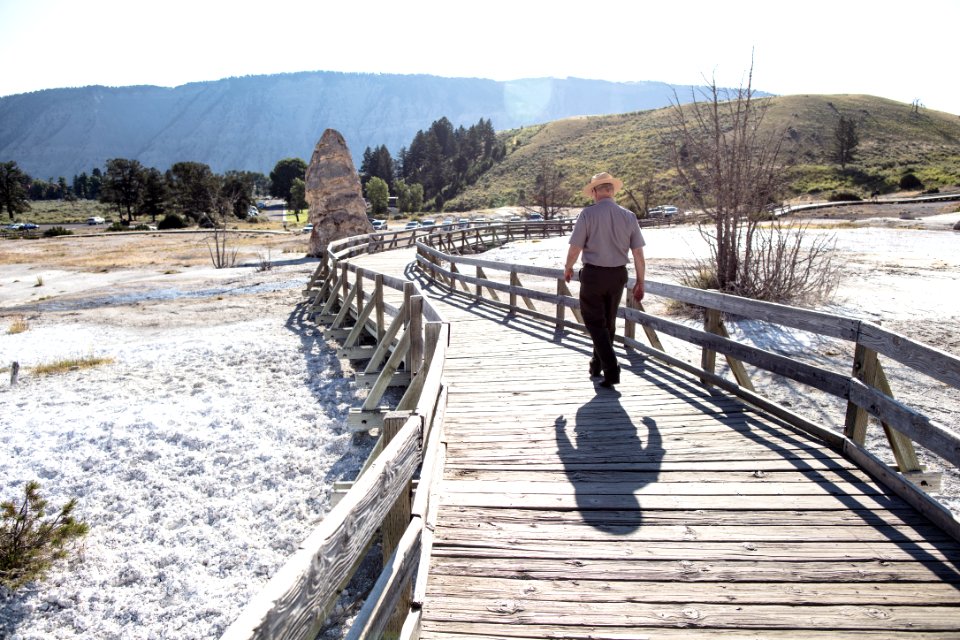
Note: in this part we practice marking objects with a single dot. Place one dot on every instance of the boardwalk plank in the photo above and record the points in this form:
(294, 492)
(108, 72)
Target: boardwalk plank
(934, 594)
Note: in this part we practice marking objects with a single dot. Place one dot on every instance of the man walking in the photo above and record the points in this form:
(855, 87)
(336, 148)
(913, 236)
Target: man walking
(606, 234)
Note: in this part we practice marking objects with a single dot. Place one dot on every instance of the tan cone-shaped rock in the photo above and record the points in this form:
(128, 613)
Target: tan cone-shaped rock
(333, 194)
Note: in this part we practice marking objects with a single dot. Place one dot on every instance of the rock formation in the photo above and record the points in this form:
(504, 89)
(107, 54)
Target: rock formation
(333, 193)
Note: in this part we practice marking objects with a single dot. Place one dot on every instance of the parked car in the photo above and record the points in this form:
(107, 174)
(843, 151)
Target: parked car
(655, 212)
(413, 224)
(13, 226)
(95, 220)
(380, 225)
(252, 212)
(670, 211)
(535, 217)
(307, 228)
(428, 223)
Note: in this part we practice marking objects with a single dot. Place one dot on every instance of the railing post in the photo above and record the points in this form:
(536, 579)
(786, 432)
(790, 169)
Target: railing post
(479, 293)
(379, 309)
(708, 358)
(344, 280)
(415, 329)
(514, 282)
(864, 369)
(395, 524)
(561, 308)
(359, 288)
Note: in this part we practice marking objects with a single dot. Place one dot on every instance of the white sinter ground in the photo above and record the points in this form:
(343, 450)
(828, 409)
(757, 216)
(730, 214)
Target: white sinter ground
(207, 449)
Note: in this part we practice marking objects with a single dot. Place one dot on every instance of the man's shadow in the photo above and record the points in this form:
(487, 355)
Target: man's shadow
(609, 458)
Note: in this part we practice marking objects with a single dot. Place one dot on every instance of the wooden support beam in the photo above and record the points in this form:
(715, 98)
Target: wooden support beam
(356, 352)
(902, 446)
(345, 309)
(630, 330)
(481, 274)
(736, 366)
(359, 289)
(515, 281)
(367, 380)
(385, 378)
(362, 420)
(383, 347)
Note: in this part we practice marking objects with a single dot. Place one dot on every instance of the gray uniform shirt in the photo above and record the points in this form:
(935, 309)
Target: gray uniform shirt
(607, 232)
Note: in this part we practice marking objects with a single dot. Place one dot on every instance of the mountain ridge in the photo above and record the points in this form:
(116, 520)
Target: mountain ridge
(251, 122)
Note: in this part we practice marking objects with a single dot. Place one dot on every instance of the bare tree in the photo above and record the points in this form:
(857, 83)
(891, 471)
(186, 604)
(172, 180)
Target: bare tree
(550, 197)
(732, 168)
(222, 254)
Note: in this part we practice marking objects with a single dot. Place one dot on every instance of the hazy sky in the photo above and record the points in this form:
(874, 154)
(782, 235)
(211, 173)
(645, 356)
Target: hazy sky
(899, 50)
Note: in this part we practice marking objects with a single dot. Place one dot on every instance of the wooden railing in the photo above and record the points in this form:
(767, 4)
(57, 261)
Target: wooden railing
(351, 302)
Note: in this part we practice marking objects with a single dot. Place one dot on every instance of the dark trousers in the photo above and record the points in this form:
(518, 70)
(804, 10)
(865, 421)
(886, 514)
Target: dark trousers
(600, 291)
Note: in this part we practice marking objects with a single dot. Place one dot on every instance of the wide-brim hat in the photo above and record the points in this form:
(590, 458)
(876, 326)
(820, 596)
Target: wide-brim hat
(602, 178)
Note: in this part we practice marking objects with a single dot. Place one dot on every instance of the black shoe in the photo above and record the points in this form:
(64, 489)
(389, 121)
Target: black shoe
(595, 369)
(611, 379)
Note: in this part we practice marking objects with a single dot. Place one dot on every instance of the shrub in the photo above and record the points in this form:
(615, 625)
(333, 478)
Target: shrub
(171, 221)
(117, 226)
(910, 182)
(18, 324)
(57, 231)
(843, 196)
(141, 227)
(29, 542)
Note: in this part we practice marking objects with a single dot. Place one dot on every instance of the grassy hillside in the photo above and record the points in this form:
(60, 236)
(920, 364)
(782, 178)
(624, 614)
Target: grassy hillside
(893, 140)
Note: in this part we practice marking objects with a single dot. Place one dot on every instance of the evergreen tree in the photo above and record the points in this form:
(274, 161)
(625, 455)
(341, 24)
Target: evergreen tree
(445, 160)
(283, 175)
(13, 189)
(194, 188)
(123, 186)
(156, 194)
(846, 139)
(377, 163)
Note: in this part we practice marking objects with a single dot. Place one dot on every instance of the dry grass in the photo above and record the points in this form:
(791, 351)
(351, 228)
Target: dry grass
(70, 364)
(166, 252)
(18, 325)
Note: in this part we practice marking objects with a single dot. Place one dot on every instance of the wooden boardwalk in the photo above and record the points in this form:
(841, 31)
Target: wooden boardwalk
(663, 509)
